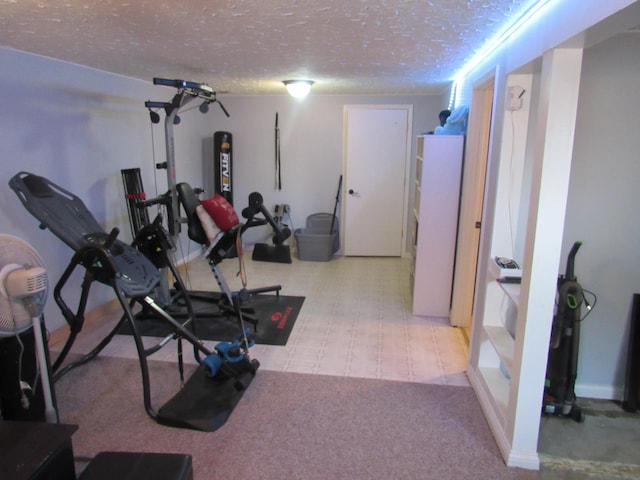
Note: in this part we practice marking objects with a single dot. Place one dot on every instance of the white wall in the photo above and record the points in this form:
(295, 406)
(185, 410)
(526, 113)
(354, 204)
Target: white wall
(311, 133)
(606, 96)
(79, 127)
(602, 208)
(507, 241)
(550, 49)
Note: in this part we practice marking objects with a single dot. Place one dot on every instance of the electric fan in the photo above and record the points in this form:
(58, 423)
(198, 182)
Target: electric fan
(23, 293)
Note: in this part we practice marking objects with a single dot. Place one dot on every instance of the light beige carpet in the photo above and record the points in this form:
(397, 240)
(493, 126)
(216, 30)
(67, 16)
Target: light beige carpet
(292, 426)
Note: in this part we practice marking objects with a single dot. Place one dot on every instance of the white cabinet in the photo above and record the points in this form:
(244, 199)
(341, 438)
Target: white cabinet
(435, 222)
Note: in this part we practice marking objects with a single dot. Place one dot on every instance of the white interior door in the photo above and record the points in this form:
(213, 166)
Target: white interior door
(377, 143)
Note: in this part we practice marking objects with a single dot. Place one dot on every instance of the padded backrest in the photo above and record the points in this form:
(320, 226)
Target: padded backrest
(57, 209)
(190, 202)
(69, 219)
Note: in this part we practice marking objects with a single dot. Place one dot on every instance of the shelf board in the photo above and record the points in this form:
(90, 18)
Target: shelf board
(498, 386)
(503, 344)
(512, 290)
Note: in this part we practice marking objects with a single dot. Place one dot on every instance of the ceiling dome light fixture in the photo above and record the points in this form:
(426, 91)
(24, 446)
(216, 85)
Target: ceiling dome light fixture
(298, 88)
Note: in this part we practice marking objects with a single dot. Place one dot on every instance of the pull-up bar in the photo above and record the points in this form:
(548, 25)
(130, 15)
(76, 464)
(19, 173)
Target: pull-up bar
(195, 87)
(187, 91)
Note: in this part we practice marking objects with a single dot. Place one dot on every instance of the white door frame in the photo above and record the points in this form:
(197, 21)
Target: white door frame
(407, 165)
(472, 196)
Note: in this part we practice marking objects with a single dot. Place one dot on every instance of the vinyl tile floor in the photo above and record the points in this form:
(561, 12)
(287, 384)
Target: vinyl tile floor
(356, 321)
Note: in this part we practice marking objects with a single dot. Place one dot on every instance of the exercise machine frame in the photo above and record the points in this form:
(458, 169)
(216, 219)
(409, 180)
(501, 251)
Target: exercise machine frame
(186, 92)
(133, 278)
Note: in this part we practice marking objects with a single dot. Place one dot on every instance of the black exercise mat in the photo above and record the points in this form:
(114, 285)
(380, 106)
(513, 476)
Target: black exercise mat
(203, 403)
(276, 317)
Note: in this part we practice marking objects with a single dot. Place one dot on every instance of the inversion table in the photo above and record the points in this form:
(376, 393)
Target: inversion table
(133, 278)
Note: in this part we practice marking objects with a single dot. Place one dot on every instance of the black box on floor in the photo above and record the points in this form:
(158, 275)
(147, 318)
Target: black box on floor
(139, 466)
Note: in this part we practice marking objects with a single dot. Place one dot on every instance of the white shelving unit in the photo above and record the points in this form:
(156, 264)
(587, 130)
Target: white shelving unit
(512, 322)
(435, 222)
(496, 365)
(496, 361)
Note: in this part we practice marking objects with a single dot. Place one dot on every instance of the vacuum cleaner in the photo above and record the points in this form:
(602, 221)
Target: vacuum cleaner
(562, 365)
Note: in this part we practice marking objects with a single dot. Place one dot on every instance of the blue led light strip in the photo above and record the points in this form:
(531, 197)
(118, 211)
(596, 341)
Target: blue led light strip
(492, 45)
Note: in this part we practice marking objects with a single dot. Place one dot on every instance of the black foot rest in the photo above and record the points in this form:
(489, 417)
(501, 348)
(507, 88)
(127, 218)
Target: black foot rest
(206, 403)
(138, 466)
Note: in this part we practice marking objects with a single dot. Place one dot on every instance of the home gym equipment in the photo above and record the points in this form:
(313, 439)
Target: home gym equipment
(223, 165)
(134, 194)
(133, 278)
(186, 92)
(278, 252)
(26, 392)
(150, 237)
(235, 303)
(562, 365)
(158, 247)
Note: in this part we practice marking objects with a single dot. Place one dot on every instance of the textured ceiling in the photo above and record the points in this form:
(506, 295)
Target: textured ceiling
(249, 46)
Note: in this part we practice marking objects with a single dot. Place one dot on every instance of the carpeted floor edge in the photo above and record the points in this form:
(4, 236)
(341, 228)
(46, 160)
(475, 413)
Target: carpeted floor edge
(292, 426)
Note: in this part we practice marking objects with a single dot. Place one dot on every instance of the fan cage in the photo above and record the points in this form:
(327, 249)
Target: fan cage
(14, 318)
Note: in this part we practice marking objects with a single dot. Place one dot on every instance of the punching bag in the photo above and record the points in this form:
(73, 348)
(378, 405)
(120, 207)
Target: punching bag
(222, 150)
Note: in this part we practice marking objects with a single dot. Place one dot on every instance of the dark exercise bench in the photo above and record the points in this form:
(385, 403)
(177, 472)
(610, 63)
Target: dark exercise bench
(224, 373)
(44, 451)
(138, 466)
